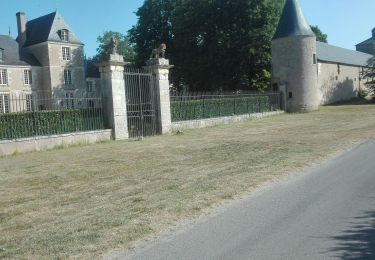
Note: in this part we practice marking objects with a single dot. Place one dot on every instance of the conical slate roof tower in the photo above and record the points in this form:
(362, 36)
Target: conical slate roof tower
(292, 22)
(294, 62)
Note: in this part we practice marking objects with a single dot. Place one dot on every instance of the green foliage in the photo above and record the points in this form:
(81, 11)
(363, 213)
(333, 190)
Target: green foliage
(368, 75)
(218, 107)
(320, 36)
(28, 124)
(214, 44)
(124, 48)
(91, 65)
(153, 28)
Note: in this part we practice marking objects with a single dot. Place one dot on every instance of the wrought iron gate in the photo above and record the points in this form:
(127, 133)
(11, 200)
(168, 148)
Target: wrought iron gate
(141, 103)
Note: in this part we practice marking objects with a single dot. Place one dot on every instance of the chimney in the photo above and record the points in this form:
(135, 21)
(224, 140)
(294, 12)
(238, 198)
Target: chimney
(21, 24)
(373, 33)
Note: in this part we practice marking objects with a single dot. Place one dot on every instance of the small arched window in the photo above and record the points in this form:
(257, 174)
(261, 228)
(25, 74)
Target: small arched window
(1, 55)
(65, 35)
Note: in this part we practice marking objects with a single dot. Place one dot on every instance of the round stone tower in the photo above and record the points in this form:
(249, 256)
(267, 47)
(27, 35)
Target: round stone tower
(294, 61)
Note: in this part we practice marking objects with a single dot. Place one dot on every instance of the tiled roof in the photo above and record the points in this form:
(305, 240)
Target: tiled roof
(330, 53)
(11, 53)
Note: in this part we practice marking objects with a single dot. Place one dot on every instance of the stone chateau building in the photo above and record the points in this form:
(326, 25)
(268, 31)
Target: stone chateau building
(46, 59)
(311, 73)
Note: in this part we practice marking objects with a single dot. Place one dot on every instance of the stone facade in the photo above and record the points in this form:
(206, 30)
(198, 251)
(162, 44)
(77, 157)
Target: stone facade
(294, 68)
(338, 82)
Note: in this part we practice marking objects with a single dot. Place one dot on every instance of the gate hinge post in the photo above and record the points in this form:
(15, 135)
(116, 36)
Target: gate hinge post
(113, 85)
(160, 68)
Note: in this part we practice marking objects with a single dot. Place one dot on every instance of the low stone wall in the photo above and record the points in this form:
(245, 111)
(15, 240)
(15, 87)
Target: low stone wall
(202, 123)
(42, 143)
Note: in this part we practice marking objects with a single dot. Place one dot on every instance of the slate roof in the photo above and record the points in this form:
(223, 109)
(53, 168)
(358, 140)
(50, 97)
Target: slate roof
(292, 22)
(368, 41)
(330, 53)
(37, 30)
(11, 53)
(47, 28)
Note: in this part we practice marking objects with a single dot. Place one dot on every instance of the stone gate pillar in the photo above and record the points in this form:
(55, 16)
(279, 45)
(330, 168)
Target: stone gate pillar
(160, 68)
(113, 86)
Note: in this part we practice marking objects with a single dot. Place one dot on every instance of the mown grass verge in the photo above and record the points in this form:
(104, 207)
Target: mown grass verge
(81, 202)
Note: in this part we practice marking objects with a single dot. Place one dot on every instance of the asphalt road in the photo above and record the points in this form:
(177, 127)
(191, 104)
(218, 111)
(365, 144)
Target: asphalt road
(327, 212)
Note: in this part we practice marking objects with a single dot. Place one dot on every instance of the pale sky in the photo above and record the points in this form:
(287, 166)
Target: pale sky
(347, 22)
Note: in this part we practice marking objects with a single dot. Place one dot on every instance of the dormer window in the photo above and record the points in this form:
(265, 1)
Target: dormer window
(65, 35)
(1, 55)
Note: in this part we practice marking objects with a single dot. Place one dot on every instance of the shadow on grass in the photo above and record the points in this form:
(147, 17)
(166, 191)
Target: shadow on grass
(355, 101)
(358, 242)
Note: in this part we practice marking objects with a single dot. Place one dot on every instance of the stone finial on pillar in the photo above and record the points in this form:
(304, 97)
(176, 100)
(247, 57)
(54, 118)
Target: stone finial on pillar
(113, 85)
(160, 68)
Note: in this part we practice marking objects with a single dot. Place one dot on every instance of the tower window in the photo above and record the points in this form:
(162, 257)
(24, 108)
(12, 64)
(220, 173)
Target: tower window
(66, 53)
(27, 77)
(69, 98)
(29, 102)
(90, 86)
(65, 35)
(314, 59)
(3, 77)
(68, 77)
(4, 104)
(1, 55)
(290, 94)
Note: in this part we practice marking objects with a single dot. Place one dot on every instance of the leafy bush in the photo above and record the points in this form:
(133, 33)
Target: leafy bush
(218, 107)
(28, 124)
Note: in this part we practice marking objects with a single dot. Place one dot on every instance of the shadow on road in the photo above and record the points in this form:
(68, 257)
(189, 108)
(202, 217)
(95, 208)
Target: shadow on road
(358, 242)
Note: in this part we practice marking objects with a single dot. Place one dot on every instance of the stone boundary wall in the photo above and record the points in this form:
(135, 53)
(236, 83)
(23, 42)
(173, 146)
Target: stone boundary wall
(202, 123)
(42, 143)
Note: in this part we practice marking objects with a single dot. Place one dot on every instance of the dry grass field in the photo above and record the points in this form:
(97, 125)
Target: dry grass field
(81, 202)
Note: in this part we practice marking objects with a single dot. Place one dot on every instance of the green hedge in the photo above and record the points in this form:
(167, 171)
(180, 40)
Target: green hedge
(218, 107)
(28, 124)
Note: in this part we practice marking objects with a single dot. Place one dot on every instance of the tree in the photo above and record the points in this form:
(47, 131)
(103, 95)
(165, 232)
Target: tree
(214, 44)
(91, 65)
(369, 75)
(124, 48)
(154, 27)
(320, 36)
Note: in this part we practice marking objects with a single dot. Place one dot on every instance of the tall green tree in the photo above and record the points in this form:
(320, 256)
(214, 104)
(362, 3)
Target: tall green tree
(154, 27)
(320, 36)
(369, 75)
(124, 48)
(225, 45)
(214, 44)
